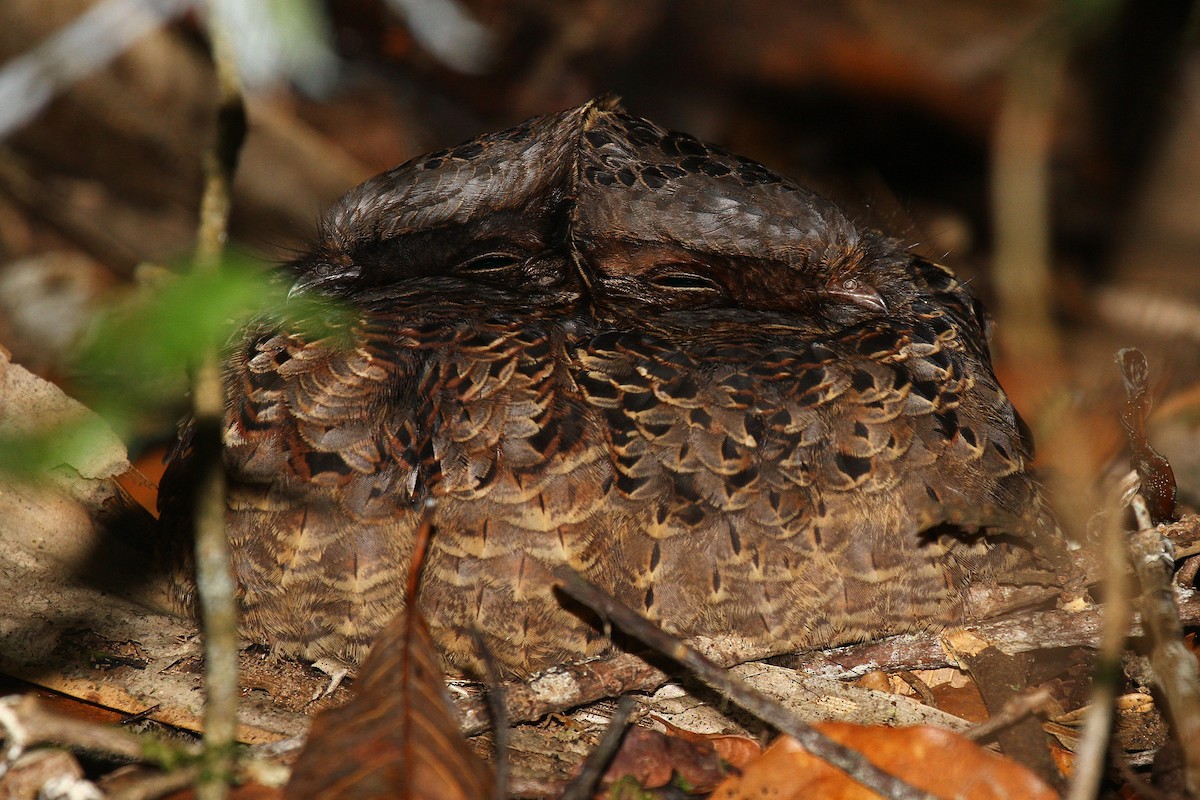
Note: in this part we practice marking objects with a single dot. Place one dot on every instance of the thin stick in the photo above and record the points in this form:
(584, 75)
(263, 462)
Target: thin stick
(1015, 709)
(851, 762)
(583, 785)
(499, 713)
(1116, 614)
(75, 51)
(920, 687)
(1174, 665)
(26, 722)
(152, 786)
(583, 682)
(215, 583)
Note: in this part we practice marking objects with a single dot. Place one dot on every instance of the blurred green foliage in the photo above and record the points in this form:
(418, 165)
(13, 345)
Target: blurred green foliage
(134, 368)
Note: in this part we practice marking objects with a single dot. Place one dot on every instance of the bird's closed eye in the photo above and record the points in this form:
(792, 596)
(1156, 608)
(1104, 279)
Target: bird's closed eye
(490, 264)
(685, 281)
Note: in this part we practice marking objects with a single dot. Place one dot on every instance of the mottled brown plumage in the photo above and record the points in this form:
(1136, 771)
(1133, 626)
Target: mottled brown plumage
(595, 342)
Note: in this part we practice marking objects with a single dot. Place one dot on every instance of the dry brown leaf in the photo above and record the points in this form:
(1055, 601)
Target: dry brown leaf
(642, 756)
(1064, 759)
(877, 680)
(653, 759)
(737, 751)
(935, 760)
(961, 701)
(398, 737)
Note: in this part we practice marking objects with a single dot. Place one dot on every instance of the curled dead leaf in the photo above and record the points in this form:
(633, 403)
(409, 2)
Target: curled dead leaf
(737, 751)
(935, 760)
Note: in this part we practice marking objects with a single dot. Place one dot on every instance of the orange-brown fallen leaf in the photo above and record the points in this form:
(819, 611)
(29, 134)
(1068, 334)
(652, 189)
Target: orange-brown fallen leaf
(935, 760)
(141, 481)
(1064, 759)
(737, 751)
(961, 701)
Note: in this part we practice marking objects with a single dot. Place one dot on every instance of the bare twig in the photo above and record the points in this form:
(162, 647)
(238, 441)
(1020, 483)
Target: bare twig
(575, 684)
(1173, 664)
(155, 785)
(1020, 200)
(89, 42)
(216, 587)
(25, 722)
(1020, 205)
(1149, 312)
(560, 688)
(582, 682)
(919, 686)
(1142, 514)
(583, 785)
(144, 714)
(1150, 553)
(1017, 708)
(495, 701)
(1093, 740)
(711, 674)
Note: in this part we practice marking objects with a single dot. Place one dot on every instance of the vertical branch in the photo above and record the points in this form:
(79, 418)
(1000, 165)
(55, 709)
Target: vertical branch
(1021, 212)
(1021, 155)
(212, 548)
(1020, 189)
(1107, 673)
(1174, 665)
(1022, 268)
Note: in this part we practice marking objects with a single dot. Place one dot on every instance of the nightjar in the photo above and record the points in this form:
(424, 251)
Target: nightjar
(595, 342)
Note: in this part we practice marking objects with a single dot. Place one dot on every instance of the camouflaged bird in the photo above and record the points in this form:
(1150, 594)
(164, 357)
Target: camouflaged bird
(595, 342)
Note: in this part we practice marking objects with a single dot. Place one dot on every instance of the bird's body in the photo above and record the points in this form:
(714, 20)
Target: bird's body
(596, 343)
